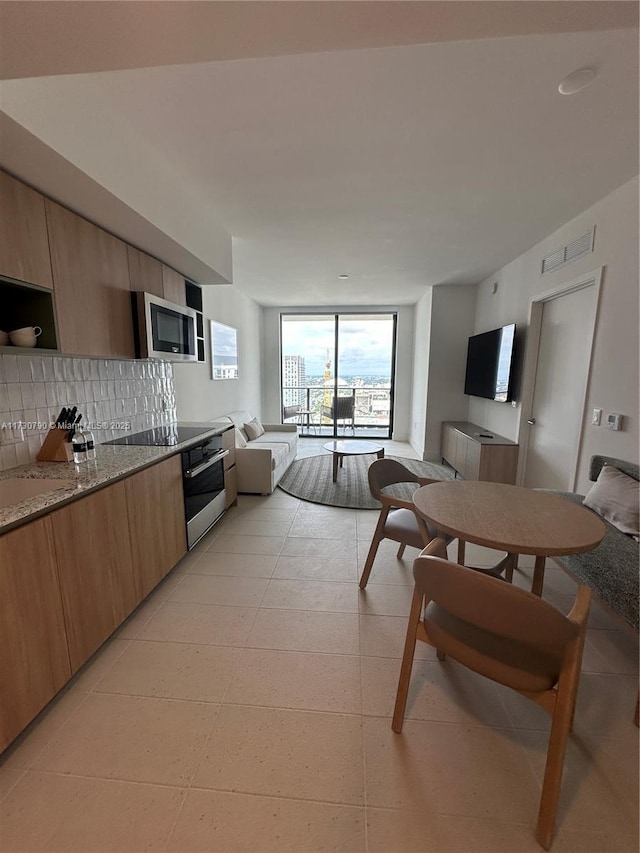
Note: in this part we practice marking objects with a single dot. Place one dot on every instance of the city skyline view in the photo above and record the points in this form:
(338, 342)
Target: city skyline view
(365, 344)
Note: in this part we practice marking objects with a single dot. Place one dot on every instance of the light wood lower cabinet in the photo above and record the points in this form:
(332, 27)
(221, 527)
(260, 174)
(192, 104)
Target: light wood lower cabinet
(68, 580)
(230, 470)
(477, 453)
(34, 661)
(93, 550)
(157, 526)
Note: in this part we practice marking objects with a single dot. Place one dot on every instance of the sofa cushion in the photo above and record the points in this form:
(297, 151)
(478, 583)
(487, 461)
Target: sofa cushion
(288, 438)
(614, 496)
(241, 441)
(279, 451)
(240, 418)
(253, 429)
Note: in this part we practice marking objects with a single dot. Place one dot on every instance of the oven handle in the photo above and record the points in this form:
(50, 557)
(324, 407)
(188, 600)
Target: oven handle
(190, 473)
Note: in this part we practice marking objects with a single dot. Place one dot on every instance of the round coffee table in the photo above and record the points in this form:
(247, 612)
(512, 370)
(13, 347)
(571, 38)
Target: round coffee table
(350, 447)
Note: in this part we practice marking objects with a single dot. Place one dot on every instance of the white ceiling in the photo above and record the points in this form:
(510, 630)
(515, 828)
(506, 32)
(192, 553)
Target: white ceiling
(326, 151)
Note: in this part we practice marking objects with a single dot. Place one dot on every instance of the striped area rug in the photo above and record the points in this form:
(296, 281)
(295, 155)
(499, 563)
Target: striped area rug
(311, 479)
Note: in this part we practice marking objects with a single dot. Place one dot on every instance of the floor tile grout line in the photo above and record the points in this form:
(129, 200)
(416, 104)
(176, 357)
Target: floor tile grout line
(116, 779)
(34, 758)
(21, 772)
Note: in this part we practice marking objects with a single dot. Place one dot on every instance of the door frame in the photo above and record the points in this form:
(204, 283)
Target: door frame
(592, 278)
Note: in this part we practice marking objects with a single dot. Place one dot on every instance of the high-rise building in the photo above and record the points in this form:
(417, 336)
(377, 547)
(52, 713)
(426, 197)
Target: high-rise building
(293, 381)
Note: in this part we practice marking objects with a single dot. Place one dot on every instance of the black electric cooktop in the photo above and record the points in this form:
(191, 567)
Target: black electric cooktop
(163, 436)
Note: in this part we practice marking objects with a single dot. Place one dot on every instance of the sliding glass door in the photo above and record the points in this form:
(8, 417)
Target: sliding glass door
(337, 373)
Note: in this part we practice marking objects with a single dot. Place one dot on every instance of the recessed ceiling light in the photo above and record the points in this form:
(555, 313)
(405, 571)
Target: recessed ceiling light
(576, 81)
(343, 275)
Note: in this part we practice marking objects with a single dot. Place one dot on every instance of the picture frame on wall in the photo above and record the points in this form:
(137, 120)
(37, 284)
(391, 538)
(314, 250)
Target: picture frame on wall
(224, 351)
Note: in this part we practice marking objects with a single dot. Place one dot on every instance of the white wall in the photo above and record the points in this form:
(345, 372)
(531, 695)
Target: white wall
(404, 359)
(421, 350)
(613, 383)
(198, 397)
(452, 317)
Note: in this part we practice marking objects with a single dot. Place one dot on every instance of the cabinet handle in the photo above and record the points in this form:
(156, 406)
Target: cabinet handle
(190, 473)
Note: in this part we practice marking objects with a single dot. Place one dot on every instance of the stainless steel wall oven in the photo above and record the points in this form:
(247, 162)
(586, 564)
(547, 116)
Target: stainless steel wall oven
(203, 483)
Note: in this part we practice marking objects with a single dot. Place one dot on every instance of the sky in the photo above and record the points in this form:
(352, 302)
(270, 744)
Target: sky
(365, 344)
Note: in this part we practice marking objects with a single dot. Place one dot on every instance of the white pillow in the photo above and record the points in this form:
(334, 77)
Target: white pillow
(254, 429)
(614, 496)
(241, 441)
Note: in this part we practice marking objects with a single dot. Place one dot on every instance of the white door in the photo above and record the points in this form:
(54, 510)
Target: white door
(560, 385)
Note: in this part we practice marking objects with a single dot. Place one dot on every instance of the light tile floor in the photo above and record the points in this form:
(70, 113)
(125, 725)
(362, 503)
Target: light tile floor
(245, 706)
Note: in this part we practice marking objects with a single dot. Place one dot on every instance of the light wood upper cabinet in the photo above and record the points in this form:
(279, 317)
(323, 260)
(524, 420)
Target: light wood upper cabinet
(91, 279)
(145, 272)
(24, 245)
(157, 526)
(174, 286)
(34, 661)
(93, 552)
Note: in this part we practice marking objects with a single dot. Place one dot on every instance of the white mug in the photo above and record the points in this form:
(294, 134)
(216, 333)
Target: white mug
(26, 336)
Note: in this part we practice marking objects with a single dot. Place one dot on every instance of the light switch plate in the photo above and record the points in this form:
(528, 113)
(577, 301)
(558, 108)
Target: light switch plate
(596, 417)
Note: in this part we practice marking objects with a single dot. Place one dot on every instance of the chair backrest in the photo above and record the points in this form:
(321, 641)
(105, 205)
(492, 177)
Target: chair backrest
(490, 603)
(290, 412)
(384, 472)
(343, 407)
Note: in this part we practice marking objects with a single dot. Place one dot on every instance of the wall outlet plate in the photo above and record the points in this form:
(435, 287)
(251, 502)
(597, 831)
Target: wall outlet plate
(596, 417)
(11, 433)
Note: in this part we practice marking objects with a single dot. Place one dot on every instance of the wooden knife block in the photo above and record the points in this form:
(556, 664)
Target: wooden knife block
(55, 447)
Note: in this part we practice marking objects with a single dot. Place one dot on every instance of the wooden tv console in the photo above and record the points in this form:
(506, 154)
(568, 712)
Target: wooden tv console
(478, 454)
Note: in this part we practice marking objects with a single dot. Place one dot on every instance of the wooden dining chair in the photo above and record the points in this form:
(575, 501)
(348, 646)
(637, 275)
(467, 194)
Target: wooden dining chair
(508, 635)
(398, 520)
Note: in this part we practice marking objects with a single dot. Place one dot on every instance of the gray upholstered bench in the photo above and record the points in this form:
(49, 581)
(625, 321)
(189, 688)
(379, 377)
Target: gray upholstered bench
(611, 569)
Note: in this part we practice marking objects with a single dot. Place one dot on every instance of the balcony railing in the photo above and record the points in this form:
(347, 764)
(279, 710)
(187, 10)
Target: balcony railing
(372, 414)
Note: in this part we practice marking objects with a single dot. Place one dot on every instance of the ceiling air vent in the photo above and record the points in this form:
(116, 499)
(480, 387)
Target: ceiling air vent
(575, 249)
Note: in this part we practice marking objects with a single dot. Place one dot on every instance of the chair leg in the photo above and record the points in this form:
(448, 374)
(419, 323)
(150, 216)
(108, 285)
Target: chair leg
(561, 722)
(373, 550)
(407, 661)
(378, 536)
(440, 655)
(400, 551)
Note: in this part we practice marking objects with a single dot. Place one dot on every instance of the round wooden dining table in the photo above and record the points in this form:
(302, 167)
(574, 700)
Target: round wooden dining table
(509, 518)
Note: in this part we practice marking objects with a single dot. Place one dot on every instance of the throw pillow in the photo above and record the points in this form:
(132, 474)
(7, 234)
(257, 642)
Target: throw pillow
(254, 429)
(241, 441)
(614, 496)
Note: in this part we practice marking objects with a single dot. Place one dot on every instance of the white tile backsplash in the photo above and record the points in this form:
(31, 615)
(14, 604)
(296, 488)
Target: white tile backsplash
(115, 397)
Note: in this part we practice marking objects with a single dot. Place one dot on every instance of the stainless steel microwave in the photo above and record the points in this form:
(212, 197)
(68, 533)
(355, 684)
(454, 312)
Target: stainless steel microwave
(163, 329)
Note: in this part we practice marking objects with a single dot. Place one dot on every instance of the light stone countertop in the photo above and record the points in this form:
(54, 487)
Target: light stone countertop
(112, 463)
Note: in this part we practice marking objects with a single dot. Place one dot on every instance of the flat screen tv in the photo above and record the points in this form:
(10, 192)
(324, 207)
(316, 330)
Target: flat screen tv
(490, 364)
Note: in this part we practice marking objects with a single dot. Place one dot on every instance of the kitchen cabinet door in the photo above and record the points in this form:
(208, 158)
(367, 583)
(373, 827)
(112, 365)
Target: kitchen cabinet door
(145, 272)
(155, 505)
(34, 660)
(24, 244)
(230, 470)
(174, 286)
(93, 552)
(91, 280)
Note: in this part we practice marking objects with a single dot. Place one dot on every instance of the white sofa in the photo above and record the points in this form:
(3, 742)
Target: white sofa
(261, 463)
